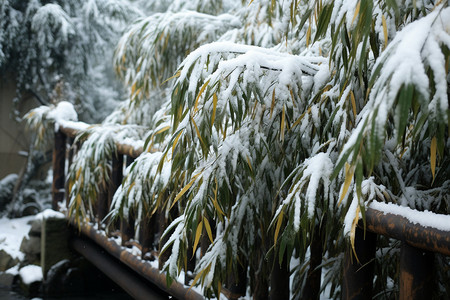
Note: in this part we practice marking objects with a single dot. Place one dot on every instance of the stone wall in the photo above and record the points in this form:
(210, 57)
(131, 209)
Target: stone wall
(13, 138)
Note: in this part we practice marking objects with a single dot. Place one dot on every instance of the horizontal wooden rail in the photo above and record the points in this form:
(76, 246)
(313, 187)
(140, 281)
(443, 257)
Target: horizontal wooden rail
(143, 268)
(400, 228)
(122, 147)
(130, 281)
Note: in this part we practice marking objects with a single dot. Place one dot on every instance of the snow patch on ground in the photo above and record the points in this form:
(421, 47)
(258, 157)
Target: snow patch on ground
(30, 274)
(50, 213)
(11, 234)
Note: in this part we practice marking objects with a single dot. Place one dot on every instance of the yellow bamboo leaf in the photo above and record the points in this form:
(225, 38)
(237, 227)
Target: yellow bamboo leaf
(433, 148)
(385, 32)
(202, 89)
(197, 277)
(198, 132)
(283, 116)
(352, 98)
(176, 75)
(293, 98)
(131, 186)
(163, 129)
(213, 117)
(208, 229)
(358, 6)
(184, 190)
(215, 203)
(198, 234)
(348, 179)
(78, 174)
(133, 88)
(277, 229)
(301, 117)
(249, 163)
(175, 141)
(308, 35)
(353, 232)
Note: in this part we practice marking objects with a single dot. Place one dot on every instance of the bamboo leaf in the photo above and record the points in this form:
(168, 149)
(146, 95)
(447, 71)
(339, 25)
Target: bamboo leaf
(163, 130)
(184, 190)
(385, 32)
(277, 229)
(208, 229)
(433, 148)
(175, 141)
(283, 117)
(249, 163)
(352, 98)
(197, 277)
(176, 75)
(198, 133)
(308, 35)
(213, 117)
(358, 6)
(215, 203)
(202, 89)
(198, 234)
(353, 231)
(272, 104)
(348, 179)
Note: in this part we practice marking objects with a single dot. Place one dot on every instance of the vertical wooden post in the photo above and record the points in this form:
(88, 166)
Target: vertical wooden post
(313, 279)
(116, 180)
(416, 273)
(358, 271)
(102, 205)
(163, 222)
(71, 154)
(127, 224)
(59, 160)
(116, 176)
(279, 279)
(147, 234)
(237, 282)
(190, 265)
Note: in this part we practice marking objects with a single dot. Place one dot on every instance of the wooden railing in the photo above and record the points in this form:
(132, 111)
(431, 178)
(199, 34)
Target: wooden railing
(419, 243)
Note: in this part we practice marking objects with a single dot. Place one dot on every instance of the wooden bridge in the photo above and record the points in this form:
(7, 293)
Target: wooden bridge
(136, 275)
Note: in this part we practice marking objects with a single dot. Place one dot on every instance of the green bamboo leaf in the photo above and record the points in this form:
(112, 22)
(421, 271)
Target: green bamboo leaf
(403, 108)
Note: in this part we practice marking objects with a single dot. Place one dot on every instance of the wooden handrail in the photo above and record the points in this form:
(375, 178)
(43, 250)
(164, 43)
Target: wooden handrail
(122, 146)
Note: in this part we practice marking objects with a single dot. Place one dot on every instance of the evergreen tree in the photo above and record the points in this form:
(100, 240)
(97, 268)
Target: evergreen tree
(58, 50)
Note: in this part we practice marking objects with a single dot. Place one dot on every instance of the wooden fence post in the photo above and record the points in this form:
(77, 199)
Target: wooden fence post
(70, 156)
(127, 224)
(148, 228)
(313, 279)
(237, 282)
(416, 273)
(59, 160)
(358, 271)
(279, 279)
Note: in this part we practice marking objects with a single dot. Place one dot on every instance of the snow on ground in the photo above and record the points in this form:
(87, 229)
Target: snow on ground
(30, 274)
(49, 213)
(12, 232)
